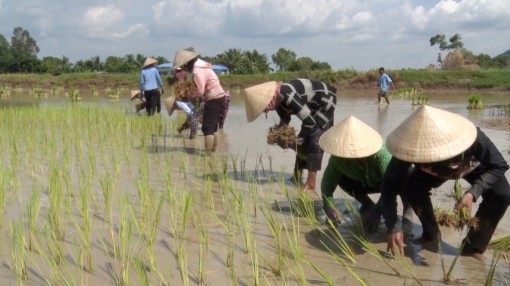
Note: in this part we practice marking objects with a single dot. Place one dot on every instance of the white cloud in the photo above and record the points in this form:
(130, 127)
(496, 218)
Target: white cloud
(99, 21)
(365, 33)
(138, 30)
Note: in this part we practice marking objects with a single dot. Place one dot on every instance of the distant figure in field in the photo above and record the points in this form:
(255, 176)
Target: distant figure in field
(150, 83)
(384, 83)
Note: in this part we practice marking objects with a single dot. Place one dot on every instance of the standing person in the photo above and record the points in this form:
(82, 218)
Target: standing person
(384, 83)
(313, 102)
(445, 146)
(357, 165)
(150, 83)
(208, 89)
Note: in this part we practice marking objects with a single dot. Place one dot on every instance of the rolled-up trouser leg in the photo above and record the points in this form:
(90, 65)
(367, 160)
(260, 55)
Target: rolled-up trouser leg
(417, 190)
(494, 204)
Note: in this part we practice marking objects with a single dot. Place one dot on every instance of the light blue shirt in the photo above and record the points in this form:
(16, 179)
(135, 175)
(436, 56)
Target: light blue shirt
(150, 79)
(384, 82)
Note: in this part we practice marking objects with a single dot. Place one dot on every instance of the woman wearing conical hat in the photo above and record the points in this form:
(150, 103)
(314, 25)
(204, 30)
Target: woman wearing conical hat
(445, 146)
(357, 165)
(209, 89)
(150, 83)
(313, 102)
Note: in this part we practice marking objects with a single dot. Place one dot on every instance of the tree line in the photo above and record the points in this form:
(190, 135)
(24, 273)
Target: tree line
(459, 57)
(20, 56)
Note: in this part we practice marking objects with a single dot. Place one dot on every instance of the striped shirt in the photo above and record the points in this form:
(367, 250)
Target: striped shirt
(313, 102)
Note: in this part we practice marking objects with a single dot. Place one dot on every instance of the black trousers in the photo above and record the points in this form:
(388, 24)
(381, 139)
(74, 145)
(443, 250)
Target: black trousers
(494, 203)
(153, 101)
(212, 111)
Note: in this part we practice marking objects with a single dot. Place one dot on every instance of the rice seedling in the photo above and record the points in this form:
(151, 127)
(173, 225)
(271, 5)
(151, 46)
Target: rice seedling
(125, 237)
(18, 267)
(501, 243)
(475, 101)
(327, 278)
(234, 159)
(447, 275)
(56, 195)
(3, 193)
(353, 213)
(201, 260)
(34, 205)
(140, 272)
(402, 261)
(86, 229)
(496, 256)
(370, 248)
(339, 241)
(182, 264)
(294, 244)
(255, 264)
(276, 231)
(346, 266)
(152, 230)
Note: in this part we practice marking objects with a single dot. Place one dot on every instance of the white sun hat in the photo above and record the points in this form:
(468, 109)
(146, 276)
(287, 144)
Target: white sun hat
(431, 135)
(148, 62)
(257, 98)
(182, 57)
(134, 94)
(351, 138)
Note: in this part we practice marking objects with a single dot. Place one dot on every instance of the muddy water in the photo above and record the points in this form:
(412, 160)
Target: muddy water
(384, 118)
(262, 164)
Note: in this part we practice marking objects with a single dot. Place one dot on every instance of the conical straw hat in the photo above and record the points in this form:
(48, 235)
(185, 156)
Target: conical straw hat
(149, 61)
(134, 93)
(431, 135)
(257, 98)
(351, 138)
(182, 57)
(169, 103)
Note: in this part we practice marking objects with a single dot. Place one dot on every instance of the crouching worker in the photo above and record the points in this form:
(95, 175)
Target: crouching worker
(313, 102)
(357, 165)
(143, 102)
(445, 146)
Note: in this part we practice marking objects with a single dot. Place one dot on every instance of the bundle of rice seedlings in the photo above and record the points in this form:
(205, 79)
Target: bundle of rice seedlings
(501, 243)
(455, 220)
(183, 89)
(283, 135)
(463, 216)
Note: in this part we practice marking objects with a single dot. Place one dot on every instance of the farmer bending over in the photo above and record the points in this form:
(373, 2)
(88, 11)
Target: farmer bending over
(313, 102)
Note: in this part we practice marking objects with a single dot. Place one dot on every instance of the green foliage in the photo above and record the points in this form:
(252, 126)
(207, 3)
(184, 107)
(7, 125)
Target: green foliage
(475, 101)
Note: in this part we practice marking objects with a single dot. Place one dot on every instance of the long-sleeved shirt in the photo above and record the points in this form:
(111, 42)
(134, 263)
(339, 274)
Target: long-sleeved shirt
(492, 166)
(150, 79)
(313, 102)
(369, 172)
(207, 83)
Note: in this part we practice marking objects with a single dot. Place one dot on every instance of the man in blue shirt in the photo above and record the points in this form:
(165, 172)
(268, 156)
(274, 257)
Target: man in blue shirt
(384, 83)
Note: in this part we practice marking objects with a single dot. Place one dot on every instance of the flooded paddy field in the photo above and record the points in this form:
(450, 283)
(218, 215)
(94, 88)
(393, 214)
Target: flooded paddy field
(93, 194)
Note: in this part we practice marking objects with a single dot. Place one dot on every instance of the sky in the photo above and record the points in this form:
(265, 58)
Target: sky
(348, 34)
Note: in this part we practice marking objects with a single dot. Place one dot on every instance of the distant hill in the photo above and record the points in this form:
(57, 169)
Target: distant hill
(506, 54)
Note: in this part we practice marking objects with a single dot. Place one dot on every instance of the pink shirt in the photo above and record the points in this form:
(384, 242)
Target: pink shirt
(207, 83)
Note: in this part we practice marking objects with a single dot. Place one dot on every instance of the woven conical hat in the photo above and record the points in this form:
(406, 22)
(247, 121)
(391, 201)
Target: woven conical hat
(169, 102)
(351, 138)
(134, 93)
(257, 98)
(431, 135)
(149, 61)
(182, 57)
